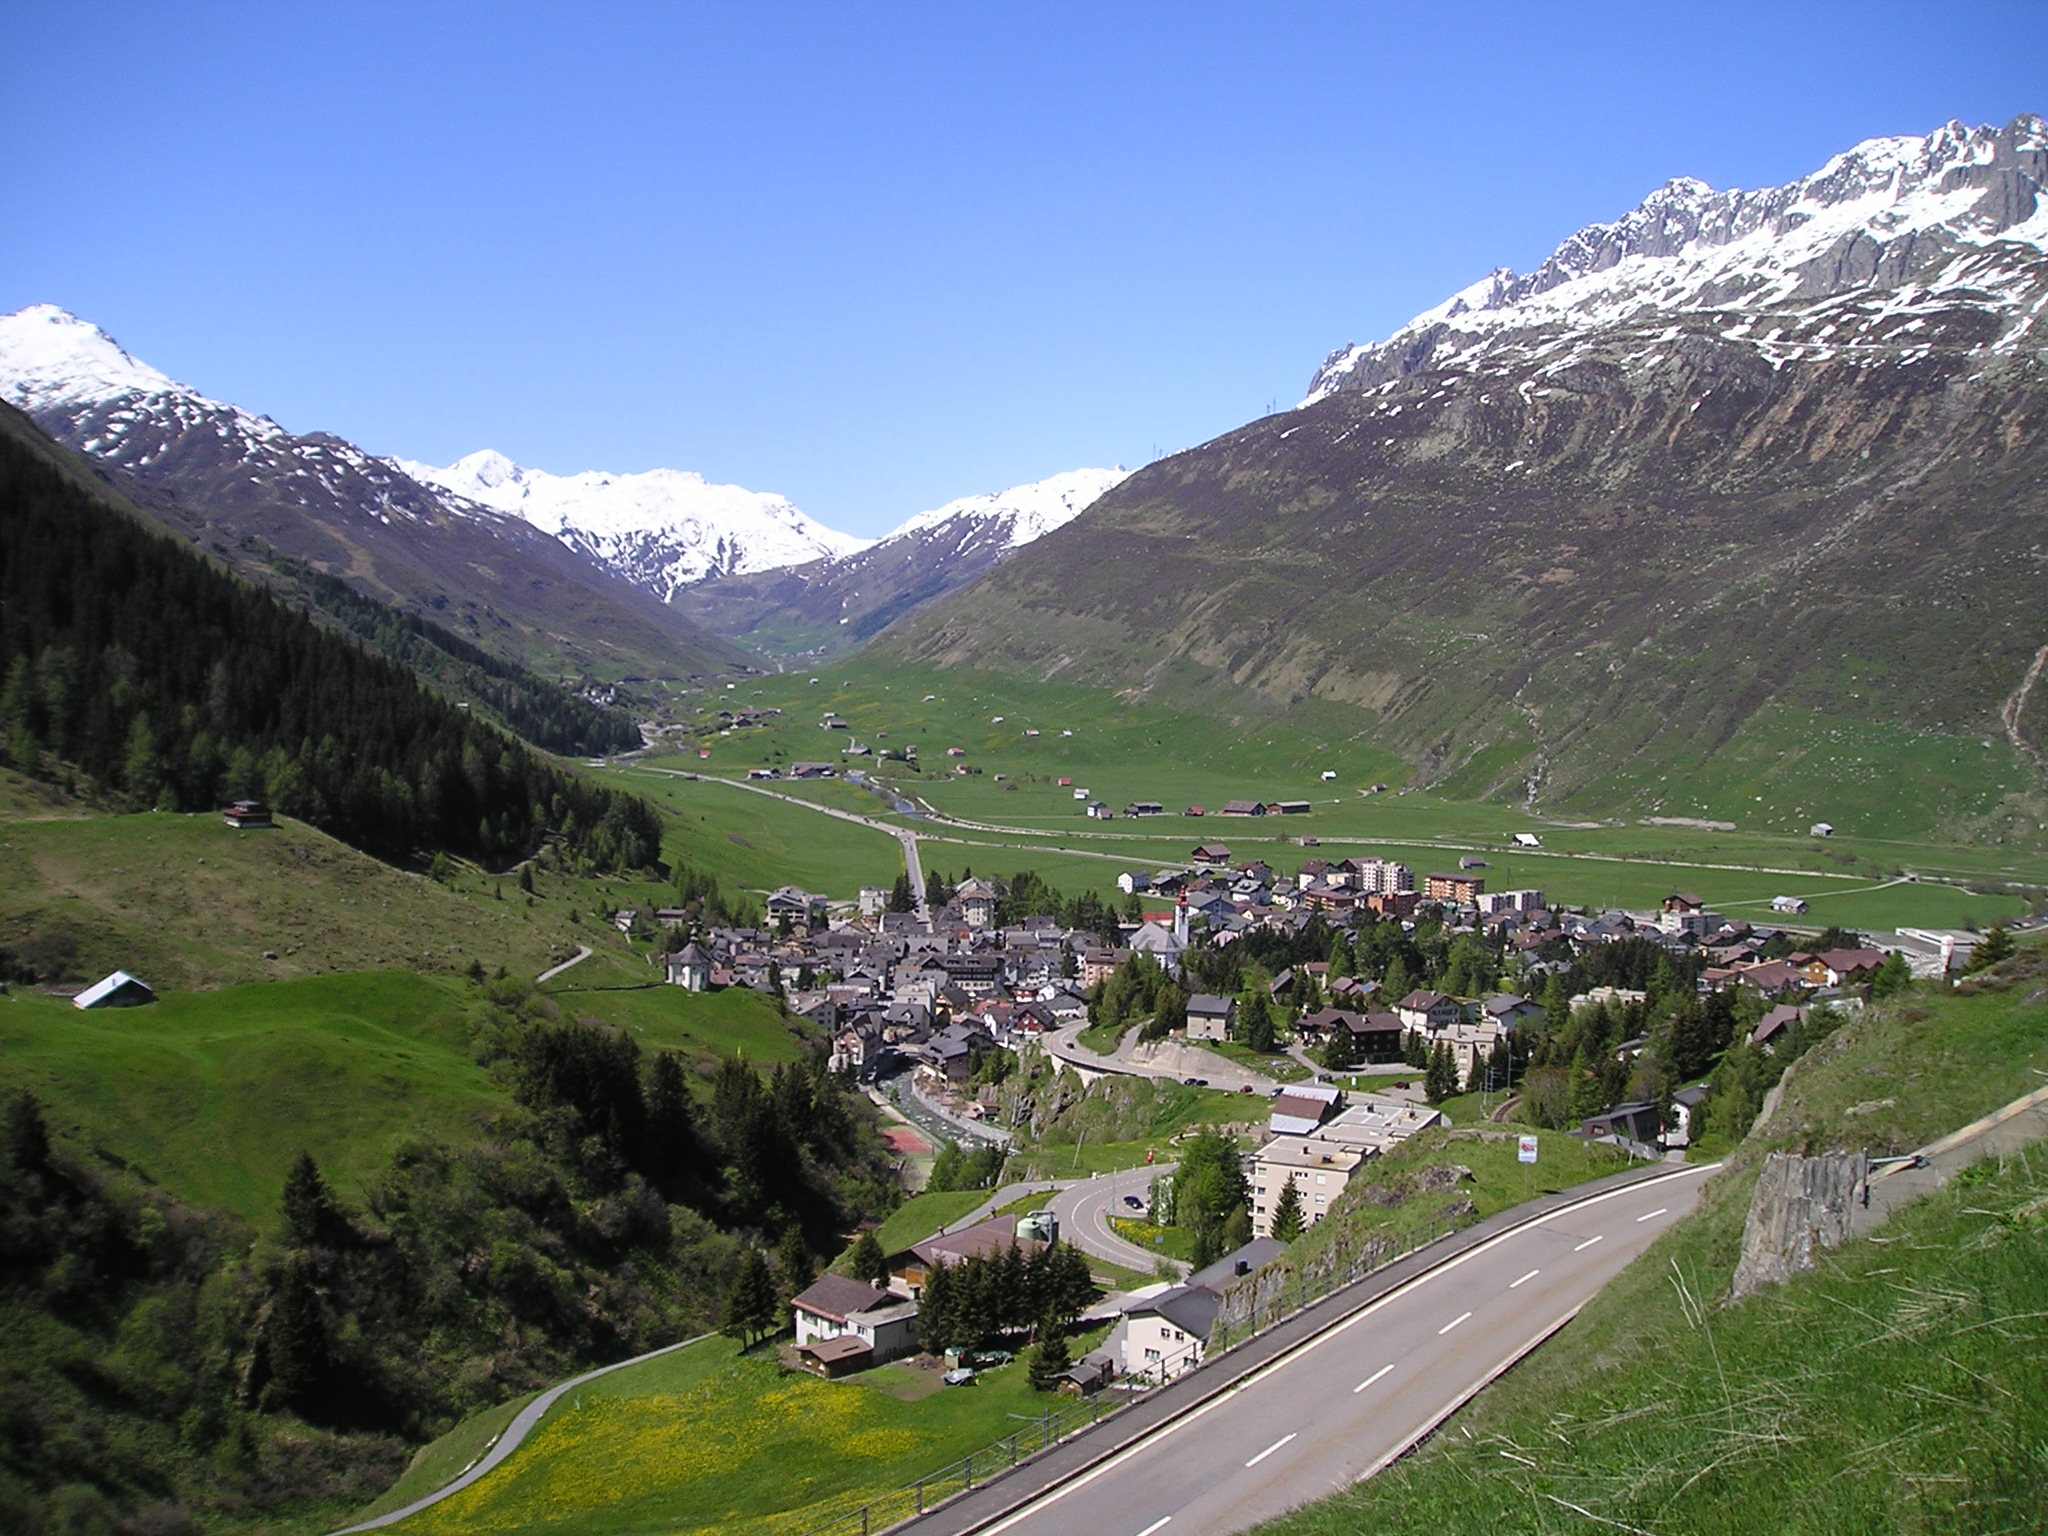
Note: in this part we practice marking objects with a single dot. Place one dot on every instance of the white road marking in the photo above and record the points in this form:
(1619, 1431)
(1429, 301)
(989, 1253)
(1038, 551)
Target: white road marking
(1589, 1242)
(1662, 1210)
(1269, 1450)
(1447, 1327)
(1375, 1376)
(1330, 1336)
(1525, 1279)
(1156, 1524)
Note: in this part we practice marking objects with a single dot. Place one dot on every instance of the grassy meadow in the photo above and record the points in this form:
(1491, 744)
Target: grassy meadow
(711, 1439)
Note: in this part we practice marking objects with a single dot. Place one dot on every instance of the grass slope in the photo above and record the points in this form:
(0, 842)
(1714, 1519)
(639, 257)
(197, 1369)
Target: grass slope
(185, 901)
(212, 1094)
(709, 1439)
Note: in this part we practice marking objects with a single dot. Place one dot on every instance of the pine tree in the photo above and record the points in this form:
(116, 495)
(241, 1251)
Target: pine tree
(751, 1308)
(1050, 1357)
(1336, 1056)
(295, 1338)
(1287, 1217)
(27, 1135)
(868, 1262)
(311, 1217)
(1996, 945)
(936, 1322)
(794, 1262)
(1442, 1079)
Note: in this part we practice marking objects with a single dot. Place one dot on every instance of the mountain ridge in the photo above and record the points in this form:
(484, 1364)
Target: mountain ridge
(1631, 556)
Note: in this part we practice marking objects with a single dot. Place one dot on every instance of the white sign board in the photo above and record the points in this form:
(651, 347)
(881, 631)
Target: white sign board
(1525, 1150)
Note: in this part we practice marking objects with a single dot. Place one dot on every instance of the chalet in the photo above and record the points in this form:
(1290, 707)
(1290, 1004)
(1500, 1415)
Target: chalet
(1098, 965)
(248, 814)
(1424, 1011)
(120, 990)
(1528, 840)
(1210, 855)
(1097, 811)
(1791, 906)
(1144, 808)
(911, 1267)
(1244, 808)
(844, 1325)
(1774, 1023)
(812, 771)
(1210, 1016)
(1164, 1335)
(1289, 807)
(800, 907)
(1510, 1011)
(1840, 967)
(833, 723)
(690, 968)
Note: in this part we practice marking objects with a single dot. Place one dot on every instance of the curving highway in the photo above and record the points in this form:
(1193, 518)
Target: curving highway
(1349, 1399)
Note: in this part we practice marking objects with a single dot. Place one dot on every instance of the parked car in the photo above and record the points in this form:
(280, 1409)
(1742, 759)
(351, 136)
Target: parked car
(1196, 1082)
(1134, 1202)
(986, 1359)
(961, 1376)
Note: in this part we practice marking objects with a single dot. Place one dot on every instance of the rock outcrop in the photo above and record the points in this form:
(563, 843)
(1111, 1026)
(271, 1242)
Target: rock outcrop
(1801, 1205)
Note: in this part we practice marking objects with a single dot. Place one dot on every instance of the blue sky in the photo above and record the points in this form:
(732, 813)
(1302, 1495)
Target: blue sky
(875, 257)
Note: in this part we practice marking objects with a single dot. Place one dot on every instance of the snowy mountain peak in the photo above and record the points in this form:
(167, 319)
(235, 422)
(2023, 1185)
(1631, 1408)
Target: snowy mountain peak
(660, 529)
(1958, 211)
(1033, 510)
(48, 356)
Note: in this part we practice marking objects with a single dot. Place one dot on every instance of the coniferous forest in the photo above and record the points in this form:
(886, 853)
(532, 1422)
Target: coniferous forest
(168, 683)
(531, 707)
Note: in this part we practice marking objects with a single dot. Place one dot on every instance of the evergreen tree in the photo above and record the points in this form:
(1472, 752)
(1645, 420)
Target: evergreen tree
(868, 1262)
(1336, 1054)
(1050, 1357)
(1396, 984)
(794, 1263)
(751, 1308)
(311, 1217)
(1892, 978)
(902, 896)
(1996, 945)
(1254, 1024)
(1442, 1079)
(937, 1321)
(295, 1339)
(27, 1135)
(1287, 1217)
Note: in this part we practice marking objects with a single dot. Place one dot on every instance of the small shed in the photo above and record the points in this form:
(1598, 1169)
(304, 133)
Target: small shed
(247, 813)
(119, 990)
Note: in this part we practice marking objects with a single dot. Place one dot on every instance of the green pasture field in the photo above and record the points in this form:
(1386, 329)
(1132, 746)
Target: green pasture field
(757, 842)
(709, 1439)
(214, 1094)
(184, 901)
(704, 1025)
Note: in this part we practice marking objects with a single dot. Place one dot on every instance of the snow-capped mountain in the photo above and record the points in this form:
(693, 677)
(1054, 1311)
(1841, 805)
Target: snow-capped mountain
(1875, 251)
(251, 489)
(660, 530)
(1023, 512)
(1713, 513)
(830, 606)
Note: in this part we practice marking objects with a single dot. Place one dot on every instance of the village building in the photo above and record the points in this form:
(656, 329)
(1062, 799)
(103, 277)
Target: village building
(120, 990)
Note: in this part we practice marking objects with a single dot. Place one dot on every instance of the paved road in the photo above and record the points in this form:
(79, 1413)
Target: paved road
(1084, 1211)
(1351, 1398)
(1172, 1060)
(582, 954)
